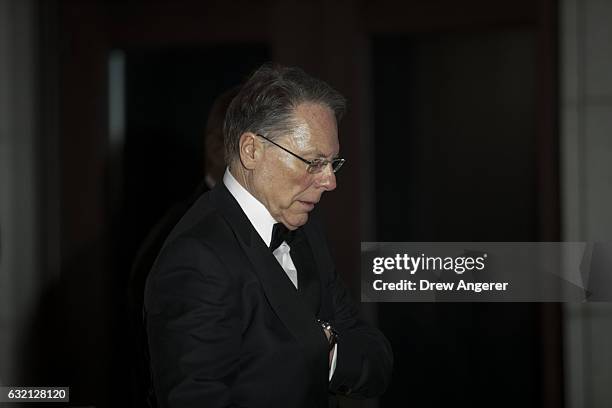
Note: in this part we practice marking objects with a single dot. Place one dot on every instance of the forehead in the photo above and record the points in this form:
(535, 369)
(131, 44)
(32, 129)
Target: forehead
(316, 129)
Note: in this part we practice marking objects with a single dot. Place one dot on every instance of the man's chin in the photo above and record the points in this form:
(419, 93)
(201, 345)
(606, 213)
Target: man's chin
(297, 222)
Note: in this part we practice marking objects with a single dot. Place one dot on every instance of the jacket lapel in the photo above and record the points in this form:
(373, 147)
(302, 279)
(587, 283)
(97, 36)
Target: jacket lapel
(309, 286)
(323, 265)
(278, 289)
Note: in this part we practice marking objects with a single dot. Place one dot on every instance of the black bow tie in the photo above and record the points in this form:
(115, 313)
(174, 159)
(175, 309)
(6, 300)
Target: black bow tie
(280, 233)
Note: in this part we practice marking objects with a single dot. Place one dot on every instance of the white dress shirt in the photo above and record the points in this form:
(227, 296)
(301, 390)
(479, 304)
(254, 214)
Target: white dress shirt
(263, 222)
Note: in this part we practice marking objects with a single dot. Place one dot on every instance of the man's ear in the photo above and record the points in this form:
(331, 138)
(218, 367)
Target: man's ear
(250, 150)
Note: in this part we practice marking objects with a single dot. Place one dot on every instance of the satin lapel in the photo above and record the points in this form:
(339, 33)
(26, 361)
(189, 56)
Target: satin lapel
(323, 266)
(279, 290)
(309, 286)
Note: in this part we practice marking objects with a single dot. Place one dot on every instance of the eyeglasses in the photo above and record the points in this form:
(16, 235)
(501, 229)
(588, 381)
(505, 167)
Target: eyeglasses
(314, 166)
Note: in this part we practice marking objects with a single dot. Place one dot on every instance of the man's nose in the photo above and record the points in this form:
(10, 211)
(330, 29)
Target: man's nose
(328, 178)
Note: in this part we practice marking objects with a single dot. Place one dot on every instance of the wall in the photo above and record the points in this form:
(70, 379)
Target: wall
(20, 281)
(586, 133)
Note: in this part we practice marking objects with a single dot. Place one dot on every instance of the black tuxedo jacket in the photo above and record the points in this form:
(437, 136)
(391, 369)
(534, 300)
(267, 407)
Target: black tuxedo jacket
(227, 328)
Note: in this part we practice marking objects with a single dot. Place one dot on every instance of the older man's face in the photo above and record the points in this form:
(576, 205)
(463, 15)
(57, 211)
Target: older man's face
(282, 181)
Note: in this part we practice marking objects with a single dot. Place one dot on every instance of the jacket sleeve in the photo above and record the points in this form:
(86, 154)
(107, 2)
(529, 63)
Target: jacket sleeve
(192, 326)
(365, 358)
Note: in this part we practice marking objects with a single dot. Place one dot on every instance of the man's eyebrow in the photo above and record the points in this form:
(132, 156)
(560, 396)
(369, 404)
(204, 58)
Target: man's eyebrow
(313, 152)
(320, 155)
(317, 154)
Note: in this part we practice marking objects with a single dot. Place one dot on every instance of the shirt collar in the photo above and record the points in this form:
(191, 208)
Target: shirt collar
(256, 212)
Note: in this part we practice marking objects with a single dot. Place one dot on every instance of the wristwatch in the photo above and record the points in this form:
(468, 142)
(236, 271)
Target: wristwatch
(333, 335)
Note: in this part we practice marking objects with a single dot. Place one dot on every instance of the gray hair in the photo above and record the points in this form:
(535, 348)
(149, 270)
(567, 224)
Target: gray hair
(267, 101)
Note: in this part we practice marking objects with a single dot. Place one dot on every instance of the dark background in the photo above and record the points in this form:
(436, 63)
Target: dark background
(451, 135)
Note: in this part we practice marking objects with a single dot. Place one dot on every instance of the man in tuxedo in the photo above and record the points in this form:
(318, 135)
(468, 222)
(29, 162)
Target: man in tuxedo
(243, 305)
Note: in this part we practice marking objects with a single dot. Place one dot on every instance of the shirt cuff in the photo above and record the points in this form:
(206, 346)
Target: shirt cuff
(333, 363)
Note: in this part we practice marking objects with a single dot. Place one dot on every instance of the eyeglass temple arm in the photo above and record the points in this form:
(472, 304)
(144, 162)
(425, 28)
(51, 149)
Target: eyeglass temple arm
(308, 162)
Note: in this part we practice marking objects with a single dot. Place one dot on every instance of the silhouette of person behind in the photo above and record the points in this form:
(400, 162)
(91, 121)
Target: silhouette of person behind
(145, 257)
